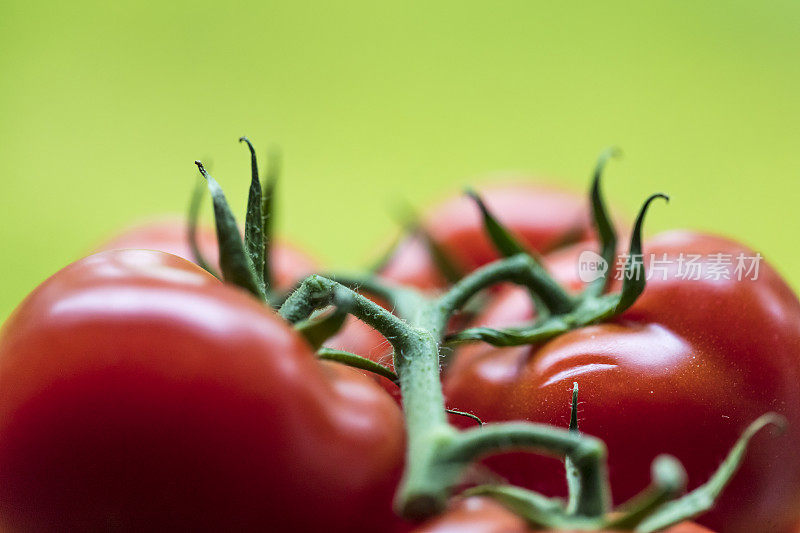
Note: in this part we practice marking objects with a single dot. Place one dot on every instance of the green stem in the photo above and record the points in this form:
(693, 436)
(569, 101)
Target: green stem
(587, 454)
(317, 292)
(371, 284)
(356, 361)
(538, 510)
(702, 498)
(521, 269)
(436, 453)
(574, 485)
(426, 481)
(668, 481)
(423, 490)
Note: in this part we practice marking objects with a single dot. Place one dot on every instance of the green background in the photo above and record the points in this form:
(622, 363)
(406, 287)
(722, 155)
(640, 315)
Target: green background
(104, 106)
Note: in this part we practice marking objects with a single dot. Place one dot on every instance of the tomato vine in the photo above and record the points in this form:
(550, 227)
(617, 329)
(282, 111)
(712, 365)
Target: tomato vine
(438, 453)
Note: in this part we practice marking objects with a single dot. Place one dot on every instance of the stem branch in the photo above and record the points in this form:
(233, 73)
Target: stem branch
(436, 453)
(587, 454)
(521, 269)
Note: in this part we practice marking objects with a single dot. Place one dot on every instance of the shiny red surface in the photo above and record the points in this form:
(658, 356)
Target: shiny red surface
(139, 393)
(169, 235)
(681, 372)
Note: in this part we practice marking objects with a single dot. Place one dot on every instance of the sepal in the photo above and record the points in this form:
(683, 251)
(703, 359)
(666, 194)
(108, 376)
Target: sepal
(234, 262)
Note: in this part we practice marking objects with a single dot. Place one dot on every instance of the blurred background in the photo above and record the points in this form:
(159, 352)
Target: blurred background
(104, 106)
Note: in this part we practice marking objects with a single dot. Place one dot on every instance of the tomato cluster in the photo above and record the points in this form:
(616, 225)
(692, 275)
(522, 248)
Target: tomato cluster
(683, 371)
(140, 392)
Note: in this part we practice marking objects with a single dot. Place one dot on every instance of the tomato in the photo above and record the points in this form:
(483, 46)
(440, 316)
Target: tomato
(483, 515)
(139, 393)
(289, 264)
(542, 217)
(681, 372)
(475, 515)
(411, 264)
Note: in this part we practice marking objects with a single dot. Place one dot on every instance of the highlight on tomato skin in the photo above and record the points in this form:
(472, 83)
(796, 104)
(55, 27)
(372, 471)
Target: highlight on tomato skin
(682, 371)
(169, 234)
(475, 515)
(290, 265)
(136, 388)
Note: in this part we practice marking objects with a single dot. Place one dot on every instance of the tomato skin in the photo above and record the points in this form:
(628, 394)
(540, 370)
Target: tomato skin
(681, 372)
(483, 515)
(168, 234)
(542, 217)
(290, 265)
(411, 265)
(475, 515)
(137, 393)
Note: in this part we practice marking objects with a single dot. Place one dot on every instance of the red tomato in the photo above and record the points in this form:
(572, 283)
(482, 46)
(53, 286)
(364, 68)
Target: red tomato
(483, 515)
(682, 372)
(169, 235)
(138, 393)
(475, 515)
(542, 217)
(289, 266)
(411, 264)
